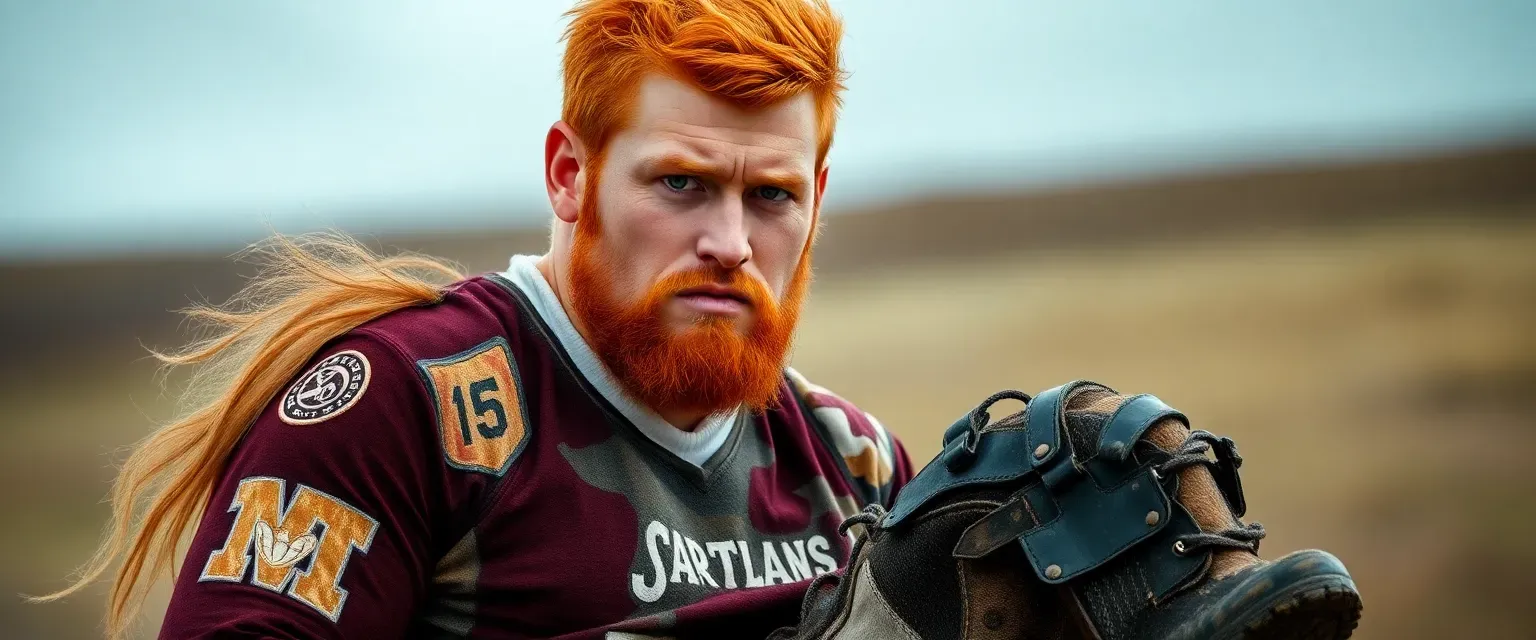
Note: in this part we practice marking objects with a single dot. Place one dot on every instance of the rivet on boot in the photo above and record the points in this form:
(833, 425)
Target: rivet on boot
(1053, 572)
(1152, 518)
(1041, 450)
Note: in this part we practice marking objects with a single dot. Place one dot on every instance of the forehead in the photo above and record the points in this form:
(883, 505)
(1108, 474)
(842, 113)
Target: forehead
(672, 113)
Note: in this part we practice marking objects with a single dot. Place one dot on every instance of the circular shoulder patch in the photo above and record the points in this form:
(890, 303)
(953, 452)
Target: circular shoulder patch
(327, 390)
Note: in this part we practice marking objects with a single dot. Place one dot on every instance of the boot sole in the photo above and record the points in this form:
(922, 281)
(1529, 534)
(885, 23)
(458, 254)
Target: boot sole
(1323, 608)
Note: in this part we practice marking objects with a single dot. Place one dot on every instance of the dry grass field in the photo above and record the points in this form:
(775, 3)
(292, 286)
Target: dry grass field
(1377, 378)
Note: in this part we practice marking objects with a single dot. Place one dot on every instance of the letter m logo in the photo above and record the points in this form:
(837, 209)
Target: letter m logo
(314, 526)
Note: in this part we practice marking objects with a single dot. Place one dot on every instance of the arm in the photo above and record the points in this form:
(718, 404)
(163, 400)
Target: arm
(323, 523)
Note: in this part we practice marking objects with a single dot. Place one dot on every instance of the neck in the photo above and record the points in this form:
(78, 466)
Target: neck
(686, 420)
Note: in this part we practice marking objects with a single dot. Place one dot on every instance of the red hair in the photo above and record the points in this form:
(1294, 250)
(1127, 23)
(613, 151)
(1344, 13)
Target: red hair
(751, 52)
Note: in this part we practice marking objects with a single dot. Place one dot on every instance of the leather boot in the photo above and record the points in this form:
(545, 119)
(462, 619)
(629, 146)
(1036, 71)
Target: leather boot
(1088, 515)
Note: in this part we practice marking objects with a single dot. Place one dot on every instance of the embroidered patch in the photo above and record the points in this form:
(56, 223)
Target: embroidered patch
(277, 533)
(481, 418)
(330, 388)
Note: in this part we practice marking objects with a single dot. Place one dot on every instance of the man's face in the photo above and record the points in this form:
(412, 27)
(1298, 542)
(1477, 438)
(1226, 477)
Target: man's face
(699, 253)
(697, 182)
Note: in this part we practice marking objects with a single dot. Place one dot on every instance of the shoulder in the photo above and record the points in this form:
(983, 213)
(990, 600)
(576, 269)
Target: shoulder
(476, 322)
(476, 331)
(470, 312)
(465, 354)
(445, 374)
(870, 451)
(391, 371)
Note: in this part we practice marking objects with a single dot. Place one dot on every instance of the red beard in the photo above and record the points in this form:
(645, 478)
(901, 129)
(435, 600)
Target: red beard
(708, 367)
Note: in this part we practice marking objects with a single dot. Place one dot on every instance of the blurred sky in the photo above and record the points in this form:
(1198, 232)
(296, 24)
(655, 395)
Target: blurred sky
(136, 126)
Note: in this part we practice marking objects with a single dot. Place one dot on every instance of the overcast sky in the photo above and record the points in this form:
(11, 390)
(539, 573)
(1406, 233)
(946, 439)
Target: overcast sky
(128, 126)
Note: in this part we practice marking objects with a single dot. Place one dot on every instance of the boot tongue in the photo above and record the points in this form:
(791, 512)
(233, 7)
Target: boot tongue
(1089, 408)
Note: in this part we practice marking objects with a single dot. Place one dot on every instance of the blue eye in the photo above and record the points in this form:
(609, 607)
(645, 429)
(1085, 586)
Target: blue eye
(773, 194)
(680, 183)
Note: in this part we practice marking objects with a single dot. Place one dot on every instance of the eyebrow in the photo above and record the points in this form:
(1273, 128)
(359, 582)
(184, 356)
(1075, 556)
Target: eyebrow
(677, 163)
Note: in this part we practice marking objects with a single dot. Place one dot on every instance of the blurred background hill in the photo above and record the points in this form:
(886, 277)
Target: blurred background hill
(1311, 226)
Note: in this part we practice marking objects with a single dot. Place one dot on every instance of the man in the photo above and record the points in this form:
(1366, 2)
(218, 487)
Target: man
(601, 440)
(604, 441)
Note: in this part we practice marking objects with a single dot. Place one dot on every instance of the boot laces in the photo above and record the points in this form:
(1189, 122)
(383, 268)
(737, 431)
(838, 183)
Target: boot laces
(1190, 453)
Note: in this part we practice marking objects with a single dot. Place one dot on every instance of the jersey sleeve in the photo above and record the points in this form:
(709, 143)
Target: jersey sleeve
(890, 449)
(874, 456)
(902, 469)
(329, 516)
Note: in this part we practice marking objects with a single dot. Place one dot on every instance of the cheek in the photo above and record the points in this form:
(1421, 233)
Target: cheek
(642, 239)
(781, 243)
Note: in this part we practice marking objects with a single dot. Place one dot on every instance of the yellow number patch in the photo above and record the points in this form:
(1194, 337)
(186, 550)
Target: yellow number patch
(480, 415)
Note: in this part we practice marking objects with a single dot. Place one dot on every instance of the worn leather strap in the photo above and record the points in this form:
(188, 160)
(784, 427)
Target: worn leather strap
(1123, 430)
(1000, 456)
(1026, 509)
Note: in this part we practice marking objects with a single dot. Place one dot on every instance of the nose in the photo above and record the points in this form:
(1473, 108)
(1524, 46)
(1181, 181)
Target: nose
(724, 238)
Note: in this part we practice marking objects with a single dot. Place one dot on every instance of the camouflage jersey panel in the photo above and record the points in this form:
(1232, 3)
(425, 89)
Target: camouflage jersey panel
(597, 531)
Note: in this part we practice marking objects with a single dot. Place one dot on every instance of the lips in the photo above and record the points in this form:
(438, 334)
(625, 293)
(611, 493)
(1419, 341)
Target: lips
(716, 291)
(714, 300)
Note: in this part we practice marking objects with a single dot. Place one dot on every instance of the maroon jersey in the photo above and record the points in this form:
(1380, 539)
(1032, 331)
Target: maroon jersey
(446, 471)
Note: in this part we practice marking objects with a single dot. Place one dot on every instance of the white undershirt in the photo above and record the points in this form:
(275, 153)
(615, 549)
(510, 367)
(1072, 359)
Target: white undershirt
(694, 446)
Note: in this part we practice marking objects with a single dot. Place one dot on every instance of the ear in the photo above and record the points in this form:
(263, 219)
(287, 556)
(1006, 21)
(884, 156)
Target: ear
(564, 157)
(821, 192)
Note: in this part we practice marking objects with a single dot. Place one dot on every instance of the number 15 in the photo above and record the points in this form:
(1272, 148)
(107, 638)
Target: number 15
(481, 405)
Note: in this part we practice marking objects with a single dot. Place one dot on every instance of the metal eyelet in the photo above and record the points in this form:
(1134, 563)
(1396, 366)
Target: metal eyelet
(1178, 547)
